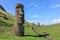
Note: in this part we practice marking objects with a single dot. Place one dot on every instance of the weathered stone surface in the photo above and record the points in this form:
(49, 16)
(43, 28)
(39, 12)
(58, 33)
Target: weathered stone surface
(18, 28)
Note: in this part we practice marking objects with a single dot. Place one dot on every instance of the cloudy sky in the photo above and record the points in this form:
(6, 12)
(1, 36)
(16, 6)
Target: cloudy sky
(43, 11)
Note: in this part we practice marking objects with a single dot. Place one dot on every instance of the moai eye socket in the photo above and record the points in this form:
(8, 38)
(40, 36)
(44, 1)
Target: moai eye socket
(22, 11)
(18, 7)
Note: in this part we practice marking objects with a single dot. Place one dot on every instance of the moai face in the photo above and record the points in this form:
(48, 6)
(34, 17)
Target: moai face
(19, 13)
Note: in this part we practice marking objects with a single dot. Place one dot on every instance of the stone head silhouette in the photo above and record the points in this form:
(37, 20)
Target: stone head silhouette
(20, 13)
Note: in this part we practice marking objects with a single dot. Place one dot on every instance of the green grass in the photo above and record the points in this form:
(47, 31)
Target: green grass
(6, 29)
(7, 34)
(53, 30)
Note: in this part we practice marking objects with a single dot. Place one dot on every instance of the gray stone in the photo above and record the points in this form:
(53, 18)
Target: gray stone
(18, 28)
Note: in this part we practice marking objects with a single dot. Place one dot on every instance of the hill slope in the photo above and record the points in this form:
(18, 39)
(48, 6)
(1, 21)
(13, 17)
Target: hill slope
(6, 19)
(6, 29)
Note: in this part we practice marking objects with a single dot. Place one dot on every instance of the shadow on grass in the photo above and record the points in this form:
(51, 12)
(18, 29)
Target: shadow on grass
(36, 35)
(31, 36)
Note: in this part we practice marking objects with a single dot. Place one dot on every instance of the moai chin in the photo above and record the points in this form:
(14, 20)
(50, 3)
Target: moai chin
(18, 28)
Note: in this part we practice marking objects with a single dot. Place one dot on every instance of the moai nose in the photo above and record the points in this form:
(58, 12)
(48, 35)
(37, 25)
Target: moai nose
(21, 12)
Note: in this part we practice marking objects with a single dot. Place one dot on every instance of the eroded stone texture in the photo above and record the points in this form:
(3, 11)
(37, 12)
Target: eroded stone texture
(18, 28)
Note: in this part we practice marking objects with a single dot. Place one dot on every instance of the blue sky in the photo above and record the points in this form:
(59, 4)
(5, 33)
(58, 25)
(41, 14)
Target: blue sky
(43, 11)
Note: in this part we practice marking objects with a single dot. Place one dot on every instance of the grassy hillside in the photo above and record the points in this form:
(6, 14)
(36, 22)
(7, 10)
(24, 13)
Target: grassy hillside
(11, 19)
(53, 30)
(6, 22)
(6, 29)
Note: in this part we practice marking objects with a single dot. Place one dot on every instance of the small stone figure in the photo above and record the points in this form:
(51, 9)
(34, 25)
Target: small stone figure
(33, 24)
(38, 24)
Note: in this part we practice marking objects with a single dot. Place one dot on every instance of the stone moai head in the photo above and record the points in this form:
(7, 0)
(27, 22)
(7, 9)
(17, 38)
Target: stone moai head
(20, 13)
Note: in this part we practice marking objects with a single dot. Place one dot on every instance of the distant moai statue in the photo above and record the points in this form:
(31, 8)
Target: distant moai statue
(18, 28)
(38, 24)
(33, 24)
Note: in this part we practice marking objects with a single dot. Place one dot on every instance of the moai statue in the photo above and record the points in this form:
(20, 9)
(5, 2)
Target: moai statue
(38, 24)
(18, 28)
(33, 24)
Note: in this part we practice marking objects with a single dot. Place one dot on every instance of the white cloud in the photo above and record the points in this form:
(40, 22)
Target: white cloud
(36, 21)
(36, 5)
(32, 4)
(54, 21)
(46, 22)
(55, 6)
(34, 16)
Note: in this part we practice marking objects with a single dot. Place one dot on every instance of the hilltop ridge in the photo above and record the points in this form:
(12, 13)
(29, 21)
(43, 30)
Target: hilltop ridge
(6, 19)
(1, 7)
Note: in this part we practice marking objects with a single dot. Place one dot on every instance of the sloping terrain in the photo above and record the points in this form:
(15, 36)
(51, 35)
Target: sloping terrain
(6, 19)
(6, 29)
